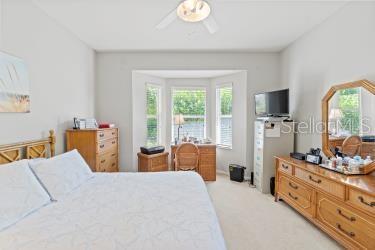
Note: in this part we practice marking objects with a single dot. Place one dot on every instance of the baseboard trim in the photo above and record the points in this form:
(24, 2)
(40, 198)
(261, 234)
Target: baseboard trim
(219, 171)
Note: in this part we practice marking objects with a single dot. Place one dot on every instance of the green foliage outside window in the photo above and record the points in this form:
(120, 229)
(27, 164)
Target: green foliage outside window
(226, 101)
(152, 105)
(185, 102)
(189, 102)
(349, 103)
(152, 95)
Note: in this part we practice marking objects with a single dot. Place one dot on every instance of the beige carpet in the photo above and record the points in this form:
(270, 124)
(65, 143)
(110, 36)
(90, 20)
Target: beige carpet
(252, 220)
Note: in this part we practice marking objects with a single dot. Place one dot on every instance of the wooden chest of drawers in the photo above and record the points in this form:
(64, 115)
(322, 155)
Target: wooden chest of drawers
(99, 147)
(342, 206)
(153, 163)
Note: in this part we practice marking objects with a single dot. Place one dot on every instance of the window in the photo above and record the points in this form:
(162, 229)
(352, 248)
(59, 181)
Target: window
(349, 103)
(153, 97)
(224, 99)
(190, 105)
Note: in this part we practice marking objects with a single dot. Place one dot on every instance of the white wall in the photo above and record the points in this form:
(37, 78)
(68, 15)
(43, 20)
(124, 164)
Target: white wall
(114, 83)
(60, 69)
(339, 50)
(241, 123)
(139, 118)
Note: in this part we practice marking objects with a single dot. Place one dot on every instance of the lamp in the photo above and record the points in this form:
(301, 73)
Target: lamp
(179, 120)
(193, 10)
(335, 114)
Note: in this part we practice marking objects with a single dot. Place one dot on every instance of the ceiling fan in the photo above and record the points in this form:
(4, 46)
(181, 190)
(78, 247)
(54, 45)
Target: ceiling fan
(191, 11)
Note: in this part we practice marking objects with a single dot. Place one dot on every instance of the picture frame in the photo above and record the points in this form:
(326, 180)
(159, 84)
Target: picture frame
(14, 85)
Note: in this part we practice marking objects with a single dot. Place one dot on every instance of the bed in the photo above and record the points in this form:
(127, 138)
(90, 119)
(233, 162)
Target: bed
(167, 210)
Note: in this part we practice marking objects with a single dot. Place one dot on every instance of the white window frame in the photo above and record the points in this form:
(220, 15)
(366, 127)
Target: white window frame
(158, 112)
(218, 114)
(205, 107)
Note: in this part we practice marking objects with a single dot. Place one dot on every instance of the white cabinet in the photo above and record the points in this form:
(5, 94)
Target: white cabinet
(271, 138)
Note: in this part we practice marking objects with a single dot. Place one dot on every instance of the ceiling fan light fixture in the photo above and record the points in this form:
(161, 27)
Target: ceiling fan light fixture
(193, 10)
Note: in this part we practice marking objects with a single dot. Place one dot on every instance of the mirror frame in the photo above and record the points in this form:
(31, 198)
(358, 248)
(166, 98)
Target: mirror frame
(369, 86)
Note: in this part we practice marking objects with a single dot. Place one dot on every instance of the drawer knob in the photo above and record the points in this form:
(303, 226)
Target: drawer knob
(113, 133)
(102, 161)
(113, 155)
(101, 146)
(345, 216)
(362, 200)
(350, 234)
(113, 142)
(293, 197)
(293, 186)
(316, 181)
(101, 135)
(285, 166)
(113, 164)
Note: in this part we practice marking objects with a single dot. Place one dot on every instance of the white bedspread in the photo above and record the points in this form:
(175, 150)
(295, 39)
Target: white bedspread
(124, 211)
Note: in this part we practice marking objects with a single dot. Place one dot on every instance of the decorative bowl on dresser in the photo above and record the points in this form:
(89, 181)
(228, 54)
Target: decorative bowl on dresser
(99, 147)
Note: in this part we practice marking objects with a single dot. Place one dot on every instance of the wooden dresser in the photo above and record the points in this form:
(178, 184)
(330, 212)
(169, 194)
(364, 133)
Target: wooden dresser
(207, 160)
(99, 147)
(153, 163)
(342, 206)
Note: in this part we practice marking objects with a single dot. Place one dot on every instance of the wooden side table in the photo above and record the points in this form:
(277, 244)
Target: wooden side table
(153, 163)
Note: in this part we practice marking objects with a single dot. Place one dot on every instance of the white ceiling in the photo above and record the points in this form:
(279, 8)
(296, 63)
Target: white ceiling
(188, 73)
(245, 25)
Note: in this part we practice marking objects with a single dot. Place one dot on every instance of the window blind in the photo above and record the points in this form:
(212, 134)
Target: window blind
(153, 114)
(191, 105)
(224, 101)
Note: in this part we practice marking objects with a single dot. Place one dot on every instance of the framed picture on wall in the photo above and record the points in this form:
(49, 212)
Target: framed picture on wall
(14, 85)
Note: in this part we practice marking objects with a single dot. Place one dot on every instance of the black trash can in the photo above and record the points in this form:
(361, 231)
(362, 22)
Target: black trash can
(236, 172)
(272, 185)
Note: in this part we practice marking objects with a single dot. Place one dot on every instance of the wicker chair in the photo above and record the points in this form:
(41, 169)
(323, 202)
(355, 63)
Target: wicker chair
(187, 157)
(352, 146)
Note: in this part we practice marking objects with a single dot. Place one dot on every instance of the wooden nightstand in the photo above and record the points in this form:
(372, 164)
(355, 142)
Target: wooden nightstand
(153, 163)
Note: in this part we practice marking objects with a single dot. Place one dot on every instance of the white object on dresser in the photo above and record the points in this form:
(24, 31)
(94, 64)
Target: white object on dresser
(270, 138)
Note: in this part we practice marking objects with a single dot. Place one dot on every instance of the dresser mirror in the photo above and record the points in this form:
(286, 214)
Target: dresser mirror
(348, 115)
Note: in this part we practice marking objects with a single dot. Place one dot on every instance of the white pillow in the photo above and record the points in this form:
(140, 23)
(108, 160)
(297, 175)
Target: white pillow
(63, 173)
(33, 162)
(20, 193)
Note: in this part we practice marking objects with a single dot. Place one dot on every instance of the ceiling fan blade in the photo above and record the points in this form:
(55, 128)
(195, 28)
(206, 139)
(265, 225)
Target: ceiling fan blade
(167, 20)
(211, 24)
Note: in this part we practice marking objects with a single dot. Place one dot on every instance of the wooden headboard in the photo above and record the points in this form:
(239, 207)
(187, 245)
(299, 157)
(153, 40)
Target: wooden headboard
(28, 150)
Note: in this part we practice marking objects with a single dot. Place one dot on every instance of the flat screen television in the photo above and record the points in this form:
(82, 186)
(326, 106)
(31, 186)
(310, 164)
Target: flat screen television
(274, 103)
